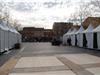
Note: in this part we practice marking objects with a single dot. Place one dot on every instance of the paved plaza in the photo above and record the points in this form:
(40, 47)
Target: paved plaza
(45, 59)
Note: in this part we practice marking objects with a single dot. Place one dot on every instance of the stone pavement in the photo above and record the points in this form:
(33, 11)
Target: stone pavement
(71, 61)
(67, 64)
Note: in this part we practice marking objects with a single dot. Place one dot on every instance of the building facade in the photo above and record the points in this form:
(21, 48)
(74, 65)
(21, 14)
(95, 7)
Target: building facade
(60, 28)
(32, 34)
(95, 21)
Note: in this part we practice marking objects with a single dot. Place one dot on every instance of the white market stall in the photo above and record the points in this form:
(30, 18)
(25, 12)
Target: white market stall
(96, 31)
(80, 37)
(2, 31)
(6, 35)
(88, 37)
(15, 36)
(12, 37)
(72, 35)
(66, 36)
(19, 37)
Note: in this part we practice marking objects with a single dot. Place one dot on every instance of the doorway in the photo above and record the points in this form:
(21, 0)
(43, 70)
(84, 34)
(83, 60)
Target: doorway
(84, 40)
(95, 45)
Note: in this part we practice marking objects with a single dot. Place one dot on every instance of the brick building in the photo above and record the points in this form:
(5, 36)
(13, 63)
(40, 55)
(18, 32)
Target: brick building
(75, 26)
(60, 28)
(95, 21)
(48, 34)
(31, 34)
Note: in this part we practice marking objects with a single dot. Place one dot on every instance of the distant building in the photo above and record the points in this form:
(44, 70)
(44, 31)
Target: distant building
(75, 26)
(48, 34)
(60, 28)
(95, 21)
(31, 34)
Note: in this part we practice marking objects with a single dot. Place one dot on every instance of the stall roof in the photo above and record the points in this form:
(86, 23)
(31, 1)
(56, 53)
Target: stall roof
(97, 29)
(69, 31)
(74, 30)
(89, 29)
(11, 29)
(2, 25)
(16, 31)
(80, 30)
(5, 25)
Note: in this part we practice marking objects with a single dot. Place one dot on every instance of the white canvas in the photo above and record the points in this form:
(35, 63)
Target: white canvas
(98, 39)
(80, 36)
(73, 39)
(2, 41)
(89, 37)
(97, 30)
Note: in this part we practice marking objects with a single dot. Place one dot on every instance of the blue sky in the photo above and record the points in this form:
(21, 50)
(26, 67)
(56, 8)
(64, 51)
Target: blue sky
(42, 13)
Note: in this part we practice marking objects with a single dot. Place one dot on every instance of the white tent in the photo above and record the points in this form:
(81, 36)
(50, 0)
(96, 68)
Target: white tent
(97, 30)
(16, 35)
(11, 37)
(2, 44)
(80, 36)
(66, 36)
(72, 35)
(6, 35)
(89, 36)
(2, 36)
(19, 37)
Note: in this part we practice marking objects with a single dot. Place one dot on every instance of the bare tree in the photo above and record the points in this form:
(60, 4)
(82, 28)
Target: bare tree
(16, 24)
(96, 6)
(85, 10)
(81, 13)
(5, 15)
(2, 6)
(96, 3)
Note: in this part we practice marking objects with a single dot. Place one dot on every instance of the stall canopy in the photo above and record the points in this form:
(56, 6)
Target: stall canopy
(2, 29)
(69, 31)
(89, 29)
(80, 36)
(88, 37)
(97, 30)
(65, 37)
(81, 29)
(73, 31)
(72, 35)
(6, 35)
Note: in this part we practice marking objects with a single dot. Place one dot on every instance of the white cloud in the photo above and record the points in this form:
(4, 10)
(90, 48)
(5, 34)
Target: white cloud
(41, 13)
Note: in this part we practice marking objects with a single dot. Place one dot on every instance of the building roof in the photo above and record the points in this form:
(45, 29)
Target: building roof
(97, 29)
(57, 25)
(89, 29)
(75, 27)
(80, 30)
(32, 28)
(95, 21)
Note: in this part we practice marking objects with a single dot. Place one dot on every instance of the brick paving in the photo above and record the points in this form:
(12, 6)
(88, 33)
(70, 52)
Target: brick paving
(44, 59)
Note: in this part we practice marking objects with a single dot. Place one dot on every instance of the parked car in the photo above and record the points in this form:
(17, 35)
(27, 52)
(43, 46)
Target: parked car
(56, 42)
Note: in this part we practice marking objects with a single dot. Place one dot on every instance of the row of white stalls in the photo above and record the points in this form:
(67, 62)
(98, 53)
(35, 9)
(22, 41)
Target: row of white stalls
(8, 37)
(89, 38)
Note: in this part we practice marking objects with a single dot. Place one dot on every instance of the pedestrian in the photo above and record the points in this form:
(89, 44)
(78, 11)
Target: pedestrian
(75, 40)
(69, 41)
